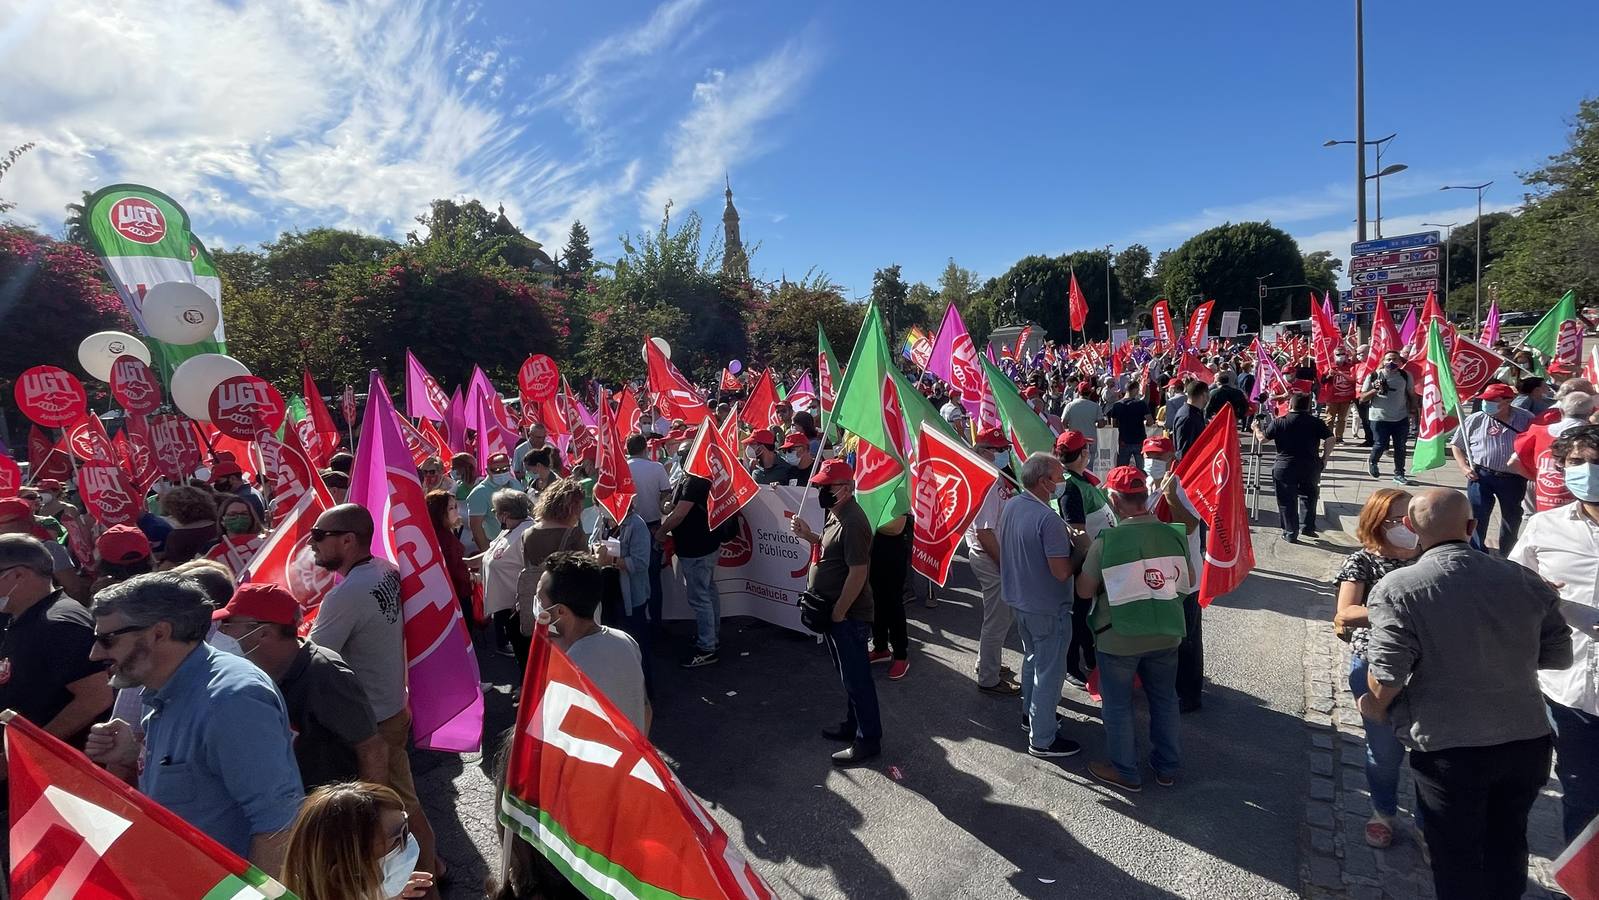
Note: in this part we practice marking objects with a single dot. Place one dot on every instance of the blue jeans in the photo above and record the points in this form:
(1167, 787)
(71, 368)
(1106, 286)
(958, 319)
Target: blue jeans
(1509, 491)
(1384, 753)
(1386, 434)
(1159, 673)
(1044, 638)
(1577, 766)
(699, 583)
(1131, 455)
(846, 643)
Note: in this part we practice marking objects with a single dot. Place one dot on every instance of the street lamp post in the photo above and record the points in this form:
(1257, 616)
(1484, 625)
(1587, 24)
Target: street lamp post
(1449, 235)
(1479, 188)
(1107, 296)
(1398, 167)
(1360, 117)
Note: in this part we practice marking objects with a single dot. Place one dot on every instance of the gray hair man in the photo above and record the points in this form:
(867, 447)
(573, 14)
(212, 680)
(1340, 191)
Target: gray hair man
(217, 747)
(1457, 640)
(1035, 570)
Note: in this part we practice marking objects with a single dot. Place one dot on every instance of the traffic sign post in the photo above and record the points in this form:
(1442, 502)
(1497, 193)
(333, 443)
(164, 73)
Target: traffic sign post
(1400, 242)
(1402, 270)
(1401, 273)
(1401, 258)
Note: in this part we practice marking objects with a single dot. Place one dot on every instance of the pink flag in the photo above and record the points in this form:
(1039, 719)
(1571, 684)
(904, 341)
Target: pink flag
(490, 436)
(954, 360)
(1408, 330)
(446, 703)
(1268, 378)
(1490, 331)
(424, 399)
(455, 422)
(803, 396)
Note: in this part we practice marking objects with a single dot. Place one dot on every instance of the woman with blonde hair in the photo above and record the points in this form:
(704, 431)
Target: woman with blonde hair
(351, 841)
(1386, 544)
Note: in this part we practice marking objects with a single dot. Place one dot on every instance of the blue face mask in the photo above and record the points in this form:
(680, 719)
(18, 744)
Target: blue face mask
(1001, 459)
(1582, 483)
(1060, 490)
(1491, 407)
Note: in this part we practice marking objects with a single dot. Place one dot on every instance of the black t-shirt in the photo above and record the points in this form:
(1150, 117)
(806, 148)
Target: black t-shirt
(1299, 437)
(1186, 427)
(780, 472)
(41, 652)
(1129, 415)
(1227, 395)
(329, 714)
(692, 537)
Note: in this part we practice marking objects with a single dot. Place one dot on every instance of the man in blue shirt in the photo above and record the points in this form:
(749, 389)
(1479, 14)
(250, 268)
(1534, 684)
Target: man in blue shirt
(217, 749)
(1035, 572)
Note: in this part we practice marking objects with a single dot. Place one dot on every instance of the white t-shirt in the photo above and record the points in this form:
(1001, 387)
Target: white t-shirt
(650, 482)
(987, 517)
(611, 659)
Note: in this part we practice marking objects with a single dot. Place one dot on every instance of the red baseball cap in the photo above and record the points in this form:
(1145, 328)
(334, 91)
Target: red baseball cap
(1070, 440)
(764, 436)
(263, 603)
(122, 544)
(992, 437)
(1158, 445)
(13, 508)
(834, 471)
(1127, 480)
(49, 484)
(1084, 387)
(1497, 392)
(796, 439)
(224, 468)
(1174, 382)
(1029, 392)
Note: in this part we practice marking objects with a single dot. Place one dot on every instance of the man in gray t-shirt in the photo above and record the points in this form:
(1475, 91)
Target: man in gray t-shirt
(1392, 396)
(569, 591)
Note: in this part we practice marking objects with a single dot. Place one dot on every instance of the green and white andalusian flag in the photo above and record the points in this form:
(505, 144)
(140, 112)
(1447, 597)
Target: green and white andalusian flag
(143, 238)
(1440, 405)
(1145, 570)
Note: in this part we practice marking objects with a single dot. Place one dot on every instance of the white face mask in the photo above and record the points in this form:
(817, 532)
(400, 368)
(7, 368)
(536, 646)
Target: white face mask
(1060, 490)
(1399, 535)
(752, 452)
(500, 480)
(398, 866)
(46, 498)
(224, 643)
(1157, 469)
(791, 458)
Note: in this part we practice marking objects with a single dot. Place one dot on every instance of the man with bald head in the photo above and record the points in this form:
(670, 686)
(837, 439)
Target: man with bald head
(360, 619)
(1456, 643)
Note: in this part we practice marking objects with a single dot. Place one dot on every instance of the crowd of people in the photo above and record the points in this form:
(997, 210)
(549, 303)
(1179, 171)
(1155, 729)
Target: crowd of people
(288, 745)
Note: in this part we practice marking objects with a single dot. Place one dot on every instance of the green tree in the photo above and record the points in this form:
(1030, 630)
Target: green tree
(1321, 271)
(578, 257)
(1553, 245)
(6, 162)
(1133, 279)
(1223, 262)
(776, 322)
(301, 259)
(1035, 289)
(923, 307)
(890, 292)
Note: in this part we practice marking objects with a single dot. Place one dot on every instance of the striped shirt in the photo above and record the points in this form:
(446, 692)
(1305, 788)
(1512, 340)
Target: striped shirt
(1489, 442)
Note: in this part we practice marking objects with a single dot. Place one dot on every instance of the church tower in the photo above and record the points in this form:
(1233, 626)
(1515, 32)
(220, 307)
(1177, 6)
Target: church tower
(734, 260)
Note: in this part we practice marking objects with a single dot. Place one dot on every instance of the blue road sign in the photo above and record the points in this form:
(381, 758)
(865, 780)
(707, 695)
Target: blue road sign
(1388, 245)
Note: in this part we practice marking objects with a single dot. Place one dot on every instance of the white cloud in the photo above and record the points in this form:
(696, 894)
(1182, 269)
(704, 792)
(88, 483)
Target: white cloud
(1337, 240)
(723, 126)
(602, 70)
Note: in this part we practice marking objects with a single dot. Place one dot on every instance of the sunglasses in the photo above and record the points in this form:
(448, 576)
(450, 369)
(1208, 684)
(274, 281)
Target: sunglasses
(321, 534)
(109, 638)
(499, 471)
(397, 840)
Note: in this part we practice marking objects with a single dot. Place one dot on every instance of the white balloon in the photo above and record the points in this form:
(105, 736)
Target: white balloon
(661, 345)
(100, 350)
(179, 312)
(197, 377)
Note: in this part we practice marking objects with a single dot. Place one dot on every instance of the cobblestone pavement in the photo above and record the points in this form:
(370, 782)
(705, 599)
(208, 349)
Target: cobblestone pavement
(1336, 861)
(1271, 804)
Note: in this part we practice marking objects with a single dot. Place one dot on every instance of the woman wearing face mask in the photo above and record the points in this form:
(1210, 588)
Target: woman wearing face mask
(351, 841)
(445, 515)
(1387, 544)
(499, 568)
(241, 535)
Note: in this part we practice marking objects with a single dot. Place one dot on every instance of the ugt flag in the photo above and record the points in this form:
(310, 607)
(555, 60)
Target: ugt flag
(446, 703)
(77, 831)
(1212, 473)
(948, 484)
(1576, 870)
(1440, 405)
(710, 458)
(590, 793)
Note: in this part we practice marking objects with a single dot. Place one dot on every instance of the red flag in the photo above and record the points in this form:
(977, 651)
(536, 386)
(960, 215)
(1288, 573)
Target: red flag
(627, 414)
(1211, 473)
(731, 485)
(77, 831)
(1473, 366)
(1021, 341)
(1576, 869)
(1198, 334)
(1165, 332)
(675, 397)
(106, 494)
(1325, 336)
(1189, 364)
(948, 485)
(177, 449)
(288, 560)
(613, 488)
(1447, 331)
(10, 476)
(39, 447)
(1079, 310)
(583, 784)
(729, 426)
(136, 459)
(1383, 339)
(730, 381)
(761, 406)
(87, 440)
(347, 406)
(430, 433)
(321, 420)
(287, 469)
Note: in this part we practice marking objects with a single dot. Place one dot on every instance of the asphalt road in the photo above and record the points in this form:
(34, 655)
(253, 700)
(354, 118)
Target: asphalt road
(955, 807)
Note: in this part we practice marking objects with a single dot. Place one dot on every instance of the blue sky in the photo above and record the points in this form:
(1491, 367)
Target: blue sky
(856, 134)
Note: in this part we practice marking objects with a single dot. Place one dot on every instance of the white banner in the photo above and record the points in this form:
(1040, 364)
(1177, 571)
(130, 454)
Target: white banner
(764, 569)
(1229, 323)
(1118, 336)
(1106, 442)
